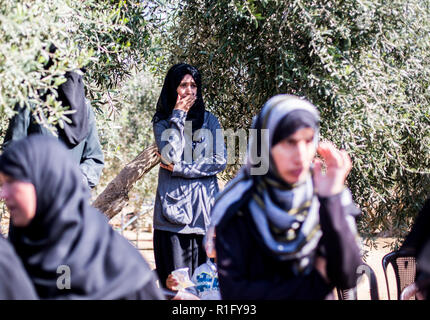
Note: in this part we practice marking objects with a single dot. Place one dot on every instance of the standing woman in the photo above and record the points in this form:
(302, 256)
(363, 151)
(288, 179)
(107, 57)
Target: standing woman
(287, 232)
(67, 247)
(80, 135)
(417, 244)
(192, 152)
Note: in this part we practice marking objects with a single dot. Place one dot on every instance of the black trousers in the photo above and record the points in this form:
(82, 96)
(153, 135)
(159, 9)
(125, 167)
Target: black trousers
(176, 250)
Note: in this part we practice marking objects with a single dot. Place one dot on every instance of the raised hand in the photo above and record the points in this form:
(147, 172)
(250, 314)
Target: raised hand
(185, 103)
(338, 164)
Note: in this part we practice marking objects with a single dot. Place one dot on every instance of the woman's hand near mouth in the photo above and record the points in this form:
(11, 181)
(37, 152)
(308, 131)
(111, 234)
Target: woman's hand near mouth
(185, 103)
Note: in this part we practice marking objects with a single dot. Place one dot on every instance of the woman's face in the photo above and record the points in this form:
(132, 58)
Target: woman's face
(293, 155)
(20, 198)
(187, 87)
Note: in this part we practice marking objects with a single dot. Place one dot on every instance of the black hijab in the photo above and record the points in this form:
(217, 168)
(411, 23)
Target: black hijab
(14, 281)
(72, 95)
(167, 100)
(423, 270)
(66, 230)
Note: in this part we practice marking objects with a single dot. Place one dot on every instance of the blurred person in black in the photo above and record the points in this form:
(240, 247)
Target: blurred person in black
(80, 135)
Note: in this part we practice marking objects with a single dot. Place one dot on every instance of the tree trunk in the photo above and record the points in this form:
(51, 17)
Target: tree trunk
(115, 197)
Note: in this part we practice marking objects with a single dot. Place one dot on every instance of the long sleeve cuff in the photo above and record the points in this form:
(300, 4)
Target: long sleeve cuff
(178, 117)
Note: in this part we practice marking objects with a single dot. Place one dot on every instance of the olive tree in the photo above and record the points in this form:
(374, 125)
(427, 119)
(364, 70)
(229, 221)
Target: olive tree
(364, 64)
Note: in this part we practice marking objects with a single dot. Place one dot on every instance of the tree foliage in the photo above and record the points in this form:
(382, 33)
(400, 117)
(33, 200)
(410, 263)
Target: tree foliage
(108, 38)
(364, 64)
